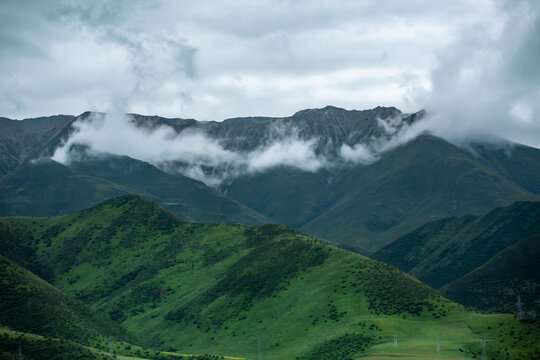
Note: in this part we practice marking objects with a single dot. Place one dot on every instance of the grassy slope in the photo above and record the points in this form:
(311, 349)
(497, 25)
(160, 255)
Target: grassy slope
(290, 196)
(49, 188)
(494, 286)
(519, 163)
(36, 347)
(466, 249)
(215, 288)
(418, 182)
(187, 198)
(30, 304)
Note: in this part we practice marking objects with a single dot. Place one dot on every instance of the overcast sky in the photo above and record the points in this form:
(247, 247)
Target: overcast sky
(211, 60)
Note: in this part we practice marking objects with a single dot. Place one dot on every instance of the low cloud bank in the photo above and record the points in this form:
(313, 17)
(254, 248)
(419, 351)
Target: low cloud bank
(189, 152)
(197, 155)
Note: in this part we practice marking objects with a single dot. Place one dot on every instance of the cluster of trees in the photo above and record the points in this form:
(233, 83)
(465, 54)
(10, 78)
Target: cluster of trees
(340, 348)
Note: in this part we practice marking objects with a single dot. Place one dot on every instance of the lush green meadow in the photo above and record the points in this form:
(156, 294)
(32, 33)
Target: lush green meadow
(188, 288)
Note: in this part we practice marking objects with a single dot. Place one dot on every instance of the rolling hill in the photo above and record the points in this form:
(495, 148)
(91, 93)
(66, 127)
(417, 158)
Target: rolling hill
(423, 180)
(518, 163)
(50, 188)
(219, 288)
(481, 261)
(47, 188)
(31, 305)
(495, 285)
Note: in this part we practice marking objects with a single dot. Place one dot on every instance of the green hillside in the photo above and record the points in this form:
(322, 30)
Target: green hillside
(519, 163)
(187, 198)
(30, 304)
(219, 288)
(48, 188)
(495, 285)
(289, 196)
(418, 182)
(483, 261)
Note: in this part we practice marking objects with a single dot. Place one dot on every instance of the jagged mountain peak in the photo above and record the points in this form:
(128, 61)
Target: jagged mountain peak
(329, 111)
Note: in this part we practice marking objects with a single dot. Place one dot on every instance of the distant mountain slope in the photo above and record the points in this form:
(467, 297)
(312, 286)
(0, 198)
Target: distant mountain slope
(495, 285)
(289, 196)
(30, 304)
(360, 207)
(520, 164)
(452, 253)
(49, 188)
(187, 198)
(330, 126)
(25, 139)
(216, 288)
(410, 185)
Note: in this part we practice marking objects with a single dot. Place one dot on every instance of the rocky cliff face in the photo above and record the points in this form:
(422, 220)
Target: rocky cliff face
(22, 140)
(240, 142)
(331, 127)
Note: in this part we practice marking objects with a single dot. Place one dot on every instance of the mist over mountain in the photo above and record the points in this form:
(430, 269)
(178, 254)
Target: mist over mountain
(358, 178)
(214, 152)
(26, 139)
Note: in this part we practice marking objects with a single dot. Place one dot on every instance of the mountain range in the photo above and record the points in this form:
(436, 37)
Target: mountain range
(463, 219)
(360, 205)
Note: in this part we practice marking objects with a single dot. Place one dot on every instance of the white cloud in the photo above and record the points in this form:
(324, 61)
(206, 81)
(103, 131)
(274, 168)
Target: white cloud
(469, 62)
(359, 153)
(116, 134)
(487, 83)
(196, 154)
(188, 152)
(291, 152)
(170, 57)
